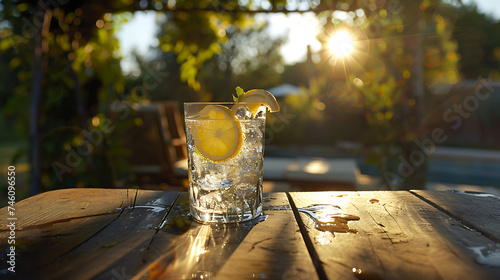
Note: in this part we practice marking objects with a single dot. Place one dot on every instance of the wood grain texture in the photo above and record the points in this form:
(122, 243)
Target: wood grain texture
(139, 234)
(399, 236)
(272, 248)
(477, 211)
(54, 223)
(51, 206)
(116, 250)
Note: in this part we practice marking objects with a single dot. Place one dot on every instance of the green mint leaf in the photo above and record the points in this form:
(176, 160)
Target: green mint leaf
(240, 92)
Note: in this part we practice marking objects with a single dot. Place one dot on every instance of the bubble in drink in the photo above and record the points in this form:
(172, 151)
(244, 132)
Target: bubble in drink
(225, 144)
(228, 190)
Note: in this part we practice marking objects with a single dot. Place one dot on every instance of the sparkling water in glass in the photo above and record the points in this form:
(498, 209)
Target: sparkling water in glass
(228, 190)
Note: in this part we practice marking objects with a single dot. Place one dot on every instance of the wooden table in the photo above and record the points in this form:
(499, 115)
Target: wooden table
(141, 234)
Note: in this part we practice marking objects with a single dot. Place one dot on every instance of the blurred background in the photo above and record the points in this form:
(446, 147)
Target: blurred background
(374, 94)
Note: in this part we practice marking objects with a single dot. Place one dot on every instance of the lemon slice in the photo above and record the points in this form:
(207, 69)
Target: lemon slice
(217, 134)
(260, 97)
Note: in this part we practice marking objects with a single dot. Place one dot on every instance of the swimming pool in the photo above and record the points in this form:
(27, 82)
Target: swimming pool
(478, 173)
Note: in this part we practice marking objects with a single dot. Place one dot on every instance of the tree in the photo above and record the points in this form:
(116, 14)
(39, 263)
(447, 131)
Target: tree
(399, 49)
(57, 52)
(67, 69)
(64, 57)
(478, 41)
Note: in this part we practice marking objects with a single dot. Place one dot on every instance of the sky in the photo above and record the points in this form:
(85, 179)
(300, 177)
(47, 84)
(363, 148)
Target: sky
(139, 33)
(143, 27)
(489, 7)
(302, 30)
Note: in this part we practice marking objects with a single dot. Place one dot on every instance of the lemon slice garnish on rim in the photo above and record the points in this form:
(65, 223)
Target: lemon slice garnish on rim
(217, 134)
(259, 97)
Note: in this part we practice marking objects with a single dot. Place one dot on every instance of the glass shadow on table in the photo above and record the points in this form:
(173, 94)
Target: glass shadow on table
(199, 250)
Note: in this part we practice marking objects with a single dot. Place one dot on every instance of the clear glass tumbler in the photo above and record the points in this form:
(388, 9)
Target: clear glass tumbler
(225, 143)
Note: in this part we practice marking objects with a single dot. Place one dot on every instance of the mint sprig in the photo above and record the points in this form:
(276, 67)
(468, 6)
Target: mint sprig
(239, 94)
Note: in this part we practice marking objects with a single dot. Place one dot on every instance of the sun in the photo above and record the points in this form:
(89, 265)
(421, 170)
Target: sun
(341, 44)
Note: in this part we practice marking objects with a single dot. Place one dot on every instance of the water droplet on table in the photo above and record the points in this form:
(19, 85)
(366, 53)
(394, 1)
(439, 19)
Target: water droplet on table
(329, 217)
(487, 255)
(360, 274)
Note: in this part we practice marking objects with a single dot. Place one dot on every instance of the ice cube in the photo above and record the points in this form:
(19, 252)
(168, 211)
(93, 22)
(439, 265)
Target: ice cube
(226, 182)
(213, 182)
(253, 135)
(261, 112)
(243, 113)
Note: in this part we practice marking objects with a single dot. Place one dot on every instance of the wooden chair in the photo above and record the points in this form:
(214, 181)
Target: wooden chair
(157, 145)
(176, 128)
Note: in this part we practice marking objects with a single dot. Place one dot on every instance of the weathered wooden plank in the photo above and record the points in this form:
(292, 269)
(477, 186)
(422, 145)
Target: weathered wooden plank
(475, 210)
(81, 234)
(47, 207)
(183, 248)
(53, 223)
(399, 236)
(270, 247)
(117, 249)
(273, 249)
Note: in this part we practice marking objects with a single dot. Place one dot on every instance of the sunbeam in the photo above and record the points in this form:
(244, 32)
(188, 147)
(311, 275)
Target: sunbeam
(341, 43)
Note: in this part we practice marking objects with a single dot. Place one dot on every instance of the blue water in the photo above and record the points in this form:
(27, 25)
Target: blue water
(475, 173)
(469, 173)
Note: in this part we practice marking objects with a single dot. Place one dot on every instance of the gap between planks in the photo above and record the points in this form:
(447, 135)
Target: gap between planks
(162, 221)
(318, 264)
(470, 225)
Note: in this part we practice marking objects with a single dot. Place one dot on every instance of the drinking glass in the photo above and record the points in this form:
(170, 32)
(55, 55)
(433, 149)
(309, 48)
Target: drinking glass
(228, 189)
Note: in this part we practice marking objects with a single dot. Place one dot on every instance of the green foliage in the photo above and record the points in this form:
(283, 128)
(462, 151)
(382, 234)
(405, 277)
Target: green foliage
(399, 52)
(239, 94)
(387, 111)
(194, 38)
(81, 73)
(207, 47)
(478, 40)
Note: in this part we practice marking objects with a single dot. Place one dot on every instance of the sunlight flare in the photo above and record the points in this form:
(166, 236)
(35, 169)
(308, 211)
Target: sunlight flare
(341, 44)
